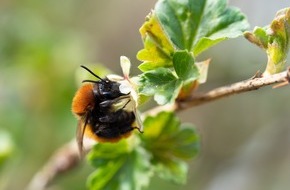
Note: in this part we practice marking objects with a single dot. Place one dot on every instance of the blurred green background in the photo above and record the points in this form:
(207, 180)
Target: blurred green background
(245, 138)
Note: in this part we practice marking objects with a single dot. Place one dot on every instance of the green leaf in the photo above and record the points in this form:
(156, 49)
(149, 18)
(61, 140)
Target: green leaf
(101, 178)
(200, 21)
(171, 144)
(274, 39)
(157, 48)
(173, 170)
(119, 166)
(192, 25)
(102, 152)
(184, 66)
(259, 37)
(161, 83)
(168, 93)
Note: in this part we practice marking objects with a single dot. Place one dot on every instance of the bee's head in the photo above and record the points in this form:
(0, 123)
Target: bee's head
(104, 88)
(108, 89)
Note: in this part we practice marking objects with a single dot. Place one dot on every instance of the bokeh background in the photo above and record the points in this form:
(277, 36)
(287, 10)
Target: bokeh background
(245, 138)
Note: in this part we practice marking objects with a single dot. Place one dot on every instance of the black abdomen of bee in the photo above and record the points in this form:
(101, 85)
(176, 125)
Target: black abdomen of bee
(104, 120)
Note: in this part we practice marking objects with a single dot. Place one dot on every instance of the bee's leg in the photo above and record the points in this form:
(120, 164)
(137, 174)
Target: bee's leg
(109, 103)
(139, 122)
(138, 129)
(126, 104)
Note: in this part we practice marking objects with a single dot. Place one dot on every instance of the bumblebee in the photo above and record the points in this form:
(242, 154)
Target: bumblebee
(105, 114)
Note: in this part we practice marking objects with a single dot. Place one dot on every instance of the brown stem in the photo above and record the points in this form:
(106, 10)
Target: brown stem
(67, 157)
(244, 86)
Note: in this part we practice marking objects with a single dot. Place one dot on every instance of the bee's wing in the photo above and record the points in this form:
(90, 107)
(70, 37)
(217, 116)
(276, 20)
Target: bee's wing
(80, 135)
(138, 120)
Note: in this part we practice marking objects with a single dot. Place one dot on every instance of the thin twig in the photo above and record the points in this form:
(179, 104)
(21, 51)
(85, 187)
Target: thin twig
(67, 157)
(253, 83)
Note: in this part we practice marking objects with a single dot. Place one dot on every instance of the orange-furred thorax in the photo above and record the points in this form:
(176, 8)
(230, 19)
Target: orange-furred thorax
(83, 100)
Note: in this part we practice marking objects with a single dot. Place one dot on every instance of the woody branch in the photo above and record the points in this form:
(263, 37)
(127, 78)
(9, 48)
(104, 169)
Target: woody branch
(254, 83)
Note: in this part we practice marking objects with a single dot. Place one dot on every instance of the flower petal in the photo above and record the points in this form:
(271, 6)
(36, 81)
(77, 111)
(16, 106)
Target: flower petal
(114, 77)
(125, 65)
(125, 88)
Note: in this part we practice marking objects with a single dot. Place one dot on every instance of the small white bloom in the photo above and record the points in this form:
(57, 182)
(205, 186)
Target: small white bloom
(125, 65)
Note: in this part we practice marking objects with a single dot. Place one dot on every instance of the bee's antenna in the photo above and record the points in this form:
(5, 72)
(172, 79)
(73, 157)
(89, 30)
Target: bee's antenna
(92, 81)
(92, 72)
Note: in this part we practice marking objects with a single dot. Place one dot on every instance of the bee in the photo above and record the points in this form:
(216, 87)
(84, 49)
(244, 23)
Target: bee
(104, 113)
